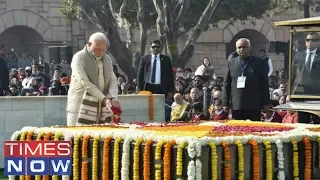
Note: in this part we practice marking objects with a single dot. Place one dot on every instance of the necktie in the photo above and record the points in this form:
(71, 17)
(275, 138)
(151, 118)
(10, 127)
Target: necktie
(308, 65)
(154, 69)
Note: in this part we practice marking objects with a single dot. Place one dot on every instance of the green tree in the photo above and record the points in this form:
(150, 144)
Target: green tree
(171, 19)
(280, 6)
(179, 17)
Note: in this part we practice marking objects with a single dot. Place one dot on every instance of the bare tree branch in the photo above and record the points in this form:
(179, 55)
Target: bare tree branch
(160, 21)
(122, 21)
(181, 33)
(168, 19)
(122, 8)
(196, 31)
(141, 17)
(89, 13)
(203, 21)
(183, 9)
(112, 10)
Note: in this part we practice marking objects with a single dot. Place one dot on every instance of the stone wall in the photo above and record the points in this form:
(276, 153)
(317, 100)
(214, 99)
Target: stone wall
(18, 112)
(44, 17)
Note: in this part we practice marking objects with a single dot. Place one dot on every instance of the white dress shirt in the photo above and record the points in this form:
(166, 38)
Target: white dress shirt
(312, 56)
(158, 70)
(26, 82)
(270, 67)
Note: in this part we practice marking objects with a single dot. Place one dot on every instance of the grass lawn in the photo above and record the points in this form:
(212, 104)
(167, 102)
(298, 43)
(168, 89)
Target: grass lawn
(2, 177)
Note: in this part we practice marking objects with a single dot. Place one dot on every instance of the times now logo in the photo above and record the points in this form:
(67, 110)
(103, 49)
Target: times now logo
(37, 158)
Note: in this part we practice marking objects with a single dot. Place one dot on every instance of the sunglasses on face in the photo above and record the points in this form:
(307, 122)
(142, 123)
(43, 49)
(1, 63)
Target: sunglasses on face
(313, 40)
(154, 47)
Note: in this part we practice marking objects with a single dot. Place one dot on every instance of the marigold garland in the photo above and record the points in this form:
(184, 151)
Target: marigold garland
(295, 159)
(240, 160)
(255, 160)
(39, 136)
(84, 164)
(23, 138)
(214, 161)
(158, 159)
(57, 138)
(116, 158)
(318, 140)
(151, 105)
(167, 159)
(106, 158)
(226, 159)
(179, 167)
(146, 159)
(308, 158)
(269, 165)
(136, 159)
(75, 155)
(95, 151)
(47, 138)
(29, 138)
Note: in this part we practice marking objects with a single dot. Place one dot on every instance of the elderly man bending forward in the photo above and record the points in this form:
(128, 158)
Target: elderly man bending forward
(92, 74)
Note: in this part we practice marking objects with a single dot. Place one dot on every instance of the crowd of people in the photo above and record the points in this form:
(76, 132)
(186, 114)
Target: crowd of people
(191, 95)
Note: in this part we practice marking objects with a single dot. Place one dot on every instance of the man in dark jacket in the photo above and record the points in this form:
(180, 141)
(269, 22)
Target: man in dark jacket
(246, 84)
(4, 72)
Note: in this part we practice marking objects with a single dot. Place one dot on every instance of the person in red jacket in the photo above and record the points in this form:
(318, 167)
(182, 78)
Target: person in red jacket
(219, 113)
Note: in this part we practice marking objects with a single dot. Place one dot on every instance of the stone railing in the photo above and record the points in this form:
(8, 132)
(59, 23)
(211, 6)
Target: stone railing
(18, 112)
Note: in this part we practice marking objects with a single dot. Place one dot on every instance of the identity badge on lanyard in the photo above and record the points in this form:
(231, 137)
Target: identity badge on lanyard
(241, 83)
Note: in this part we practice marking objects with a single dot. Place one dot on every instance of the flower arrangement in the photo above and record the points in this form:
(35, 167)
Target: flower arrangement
(46, 138)
(40, 135)
(269, 166)
(308, 158)
(158, 153)
(226, 159)
(214, 161)
(116, 155)
(295, 159)
(190, 136)
(136, 159)
(146, 159)
(29, 138)
(151, 106)
(95, 151)
(23, 138)
(56, 138)
(240, 159)
(76, 157)
(255, 160)
(106, 158)
(167, 159)
(84, 157)
(179, 167)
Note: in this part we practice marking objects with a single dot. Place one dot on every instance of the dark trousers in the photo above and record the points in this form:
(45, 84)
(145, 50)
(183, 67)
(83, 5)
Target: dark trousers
(155, 88)
(158, 89)
(304, 117)
(1, 92)
(252, 114)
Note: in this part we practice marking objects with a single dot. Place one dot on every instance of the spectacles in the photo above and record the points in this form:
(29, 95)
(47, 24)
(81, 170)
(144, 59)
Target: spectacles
(313, 40)
(154, 47)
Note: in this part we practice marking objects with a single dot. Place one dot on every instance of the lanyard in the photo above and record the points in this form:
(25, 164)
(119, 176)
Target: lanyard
(243, 68)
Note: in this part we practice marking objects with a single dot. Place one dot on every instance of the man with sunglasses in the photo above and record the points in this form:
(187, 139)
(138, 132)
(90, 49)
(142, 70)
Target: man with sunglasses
(155, 74)
(306, 67)
(306, 73)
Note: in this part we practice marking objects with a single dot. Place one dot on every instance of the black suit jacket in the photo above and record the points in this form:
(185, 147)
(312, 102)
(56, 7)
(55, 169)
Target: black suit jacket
(144, 72)
(303, 80)
(4, 74)
(256, 91)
